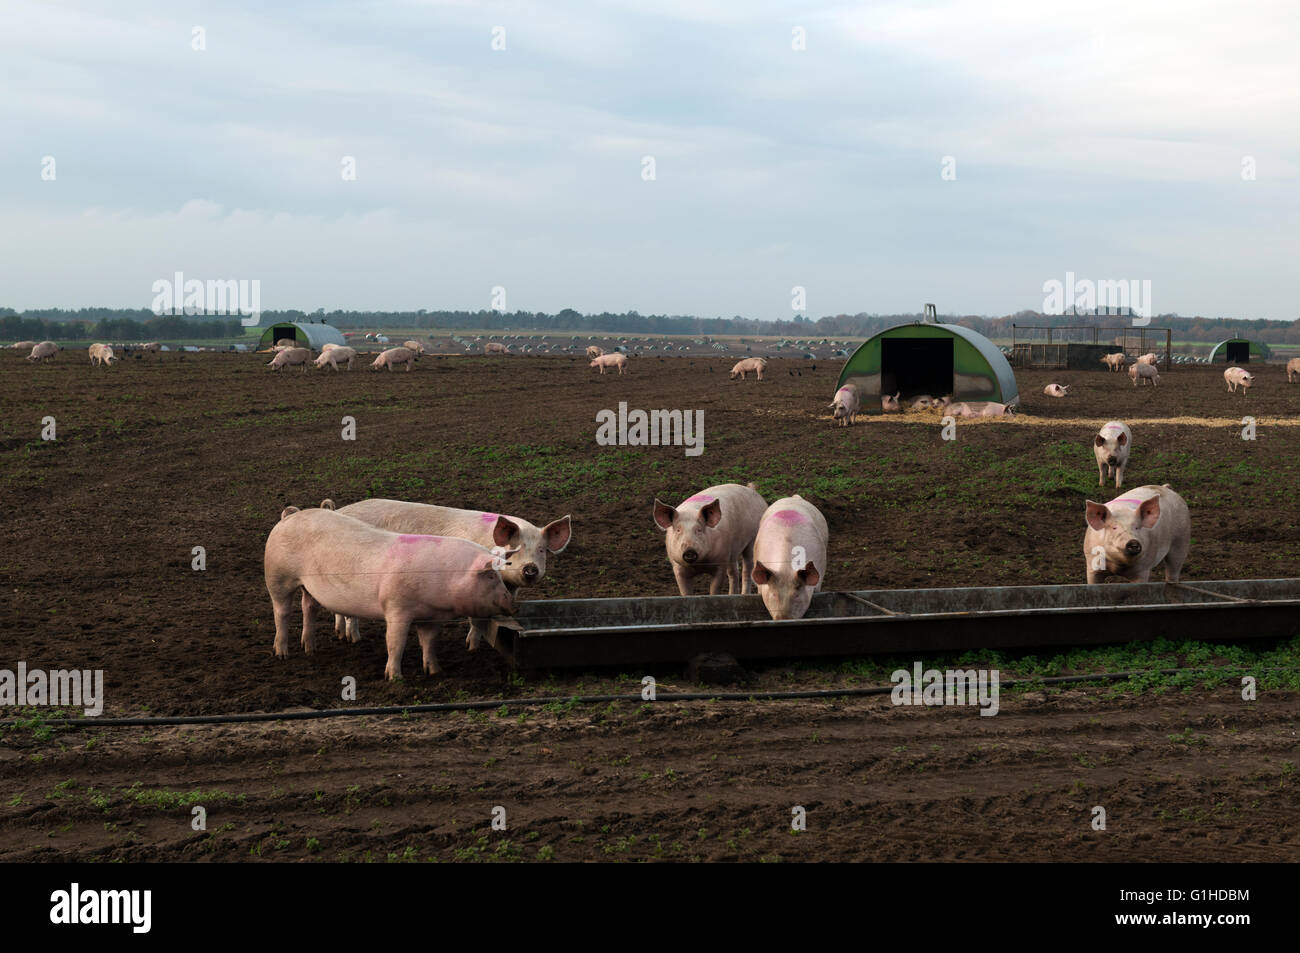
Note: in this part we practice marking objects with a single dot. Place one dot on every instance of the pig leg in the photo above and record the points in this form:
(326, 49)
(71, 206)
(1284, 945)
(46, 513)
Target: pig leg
(395, 638)
(340, 626)
(733, 584)
(1119, 476)
(746, 567)
(283, 611)
(1174, 560)
(478, 629)
(715, 582)
(308, 618)
(428, 632)
(683, 579)
(1101, 473)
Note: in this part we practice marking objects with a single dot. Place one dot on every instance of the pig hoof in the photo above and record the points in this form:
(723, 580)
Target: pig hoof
(432, 668)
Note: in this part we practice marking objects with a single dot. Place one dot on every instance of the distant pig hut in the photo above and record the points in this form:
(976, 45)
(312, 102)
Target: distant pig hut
(929, 358)
(314, 336)
(1239, 351)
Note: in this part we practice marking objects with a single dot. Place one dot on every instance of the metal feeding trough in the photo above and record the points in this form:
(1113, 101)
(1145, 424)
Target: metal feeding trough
(593, 633)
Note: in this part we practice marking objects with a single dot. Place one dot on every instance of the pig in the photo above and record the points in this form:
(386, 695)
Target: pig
(1114, 361)
(392, 357)
(1057, 390)
(923, 402)
(890, 404)
(153, 347)
(1293, 370)
(941, 403)
(610, 360)
(991, 408)
(963, 410)
(1131, 535)
(415, 347)
(755, 364)
(1111, 447)
(594, 351)
(346, 566)
(23, 345)
(291, 357)
(101, 354)
(712, 533)
(43, 352)
(846, 405)
(286, 342)
(533, 543)
(492, 347)
(336, 354)
(1237, 377)
(790, 556)
(328, 347)
(1148, 359)
(1144, 372)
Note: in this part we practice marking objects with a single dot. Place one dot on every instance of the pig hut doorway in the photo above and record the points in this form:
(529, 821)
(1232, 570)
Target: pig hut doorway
(1238, 352)
(915, 366)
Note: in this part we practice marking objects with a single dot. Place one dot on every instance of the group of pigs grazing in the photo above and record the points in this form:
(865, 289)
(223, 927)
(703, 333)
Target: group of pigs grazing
(410, 564)
(730, 532)
(1133, 533)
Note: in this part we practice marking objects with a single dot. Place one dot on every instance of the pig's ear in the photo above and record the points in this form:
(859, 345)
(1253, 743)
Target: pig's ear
(1123, 438)
(558, 533)
(711, 514)
(1149, 512)
(1100, 441)
(504, 531)
(664, 514)
(1097, 515)
(761, 574)
(809, 575)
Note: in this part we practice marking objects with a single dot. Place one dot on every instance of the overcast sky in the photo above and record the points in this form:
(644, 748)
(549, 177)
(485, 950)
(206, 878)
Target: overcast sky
(1103, 138)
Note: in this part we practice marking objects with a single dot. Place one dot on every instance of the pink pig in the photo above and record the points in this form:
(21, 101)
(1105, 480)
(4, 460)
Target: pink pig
(1132, 534)
(349, 567)
(846, 405)
(291, 357)
(528, 568)
(616, 359)
(790, 556)
(392, 357)
(712, 533)
(1236, 377)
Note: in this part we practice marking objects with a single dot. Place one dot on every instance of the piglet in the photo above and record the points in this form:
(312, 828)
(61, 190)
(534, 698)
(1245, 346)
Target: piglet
(1057, 390)
(890, 404)
(1132, 534)
(351, 568)
(790, 556)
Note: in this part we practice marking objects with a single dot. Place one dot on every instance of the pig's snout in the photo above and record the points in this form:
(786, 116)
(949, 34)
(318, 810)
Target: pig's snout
(1111, 461)
(690, 555)
(1133, 547)
(531, 573)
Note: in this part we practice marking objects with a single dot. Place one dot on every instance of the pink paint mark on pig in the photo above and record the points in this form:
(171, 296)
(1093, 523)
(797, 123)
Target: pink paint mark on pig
(408, 538)
(793, 517)
(489, 517)
(702, 498)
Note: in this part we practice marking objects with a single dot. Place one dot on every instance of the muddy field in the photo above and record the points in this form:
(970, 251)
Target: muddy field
(155, 457)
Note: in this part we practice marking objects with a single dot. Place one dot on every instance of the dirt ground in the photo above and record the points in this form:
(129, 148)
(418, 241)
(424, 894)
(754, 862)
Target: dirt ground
(155, 457)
